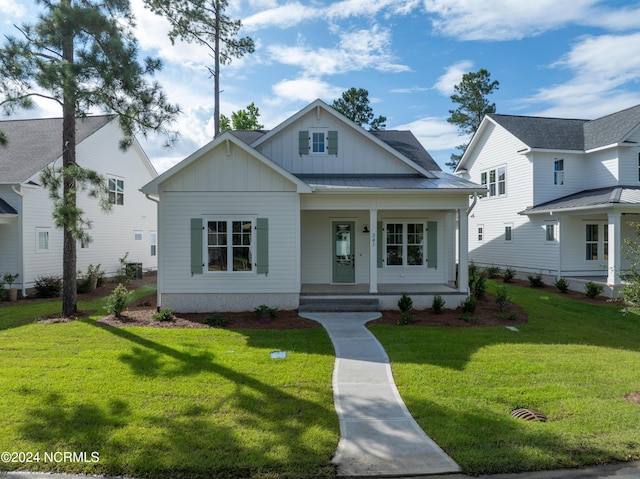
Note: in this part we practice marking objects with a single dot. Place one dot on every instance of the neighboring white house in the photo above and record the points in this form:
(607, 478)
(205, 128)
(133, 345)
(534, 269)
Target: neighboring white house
(317, 205)
(561, 193)
(30, 244)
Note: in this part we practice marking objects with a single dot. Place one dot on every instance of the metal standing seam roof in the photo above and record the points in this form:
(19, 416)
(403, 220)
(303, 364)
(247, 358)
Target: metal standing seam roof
(444, 181)
(609, 196)
(33, 144)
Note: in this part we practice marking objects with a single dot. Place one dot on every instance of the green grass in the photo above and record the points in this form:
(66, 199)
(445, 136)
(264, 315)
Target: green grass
(573, 361)
(192, 403)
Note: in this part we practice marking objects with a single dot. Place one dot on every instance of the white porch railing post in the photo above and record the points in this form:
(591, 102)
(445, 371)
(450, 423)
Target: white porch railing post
(373, 251)
(615, 247)
(463, 254)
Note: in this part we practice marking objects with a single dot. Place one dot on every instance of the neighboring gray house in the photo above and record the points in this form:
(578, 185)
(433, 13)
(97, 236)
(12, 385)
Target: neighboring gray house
(318, 205)
(30, 244)
(561, 193)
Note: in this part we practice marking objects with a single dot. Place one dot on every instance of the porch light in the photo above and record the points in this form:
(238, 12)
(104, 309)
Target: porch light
(365, 229)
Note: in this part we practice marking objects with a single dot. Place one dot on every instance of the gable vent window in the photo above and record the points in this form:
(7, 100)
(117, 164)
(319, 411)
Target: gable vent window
(318, 142)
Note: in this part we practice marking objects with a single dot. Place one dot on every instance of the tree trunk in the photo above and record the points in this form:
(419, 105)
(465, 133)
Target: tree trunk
(216, 73)
(69, 292)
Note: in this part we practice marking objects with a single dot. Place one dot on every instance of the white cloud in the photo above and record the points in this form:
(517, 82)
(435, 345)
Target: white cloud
(10, 8)
(435, 134)
(305, 90)
(452, 77)
(508, 19)
(283, 16)
(605, 76)
(409, 90)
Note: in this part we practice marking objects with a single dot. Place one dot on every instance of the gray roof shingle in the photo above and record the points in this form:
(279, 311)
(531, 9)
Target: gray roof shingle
(33, 144)
(570, 134)
(618, 195)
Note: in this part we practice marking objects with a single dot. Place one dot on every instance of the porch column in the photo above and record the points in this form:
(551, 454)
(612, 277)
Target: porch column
(373, 251)
(463, 253)
(615, 248)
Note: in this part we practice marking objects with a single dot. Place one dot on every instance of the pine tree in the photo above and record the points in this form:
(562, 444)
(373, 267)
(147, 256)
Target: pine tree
(205, 23)
(82, 55)
(471, 97)
(242, 119)
(354, 104)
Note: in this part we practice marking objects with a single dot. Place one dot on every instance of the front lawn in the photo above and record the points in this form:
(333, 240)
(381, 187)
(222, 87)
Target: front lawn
(151, 402)
(573, 361)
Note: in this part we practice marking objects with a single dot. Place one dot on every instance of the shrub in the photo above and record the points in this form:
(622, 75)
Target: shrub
(216, 320)
(507, 315)
(127, 271)
(117, 301)
(438, 304)
(592, 289)
(404, 318)
(405, 305)
(48, 286)
(479, 286)
(562, 285)
(164, 315)
(492, 272)
(508, 275)
(502, 298)
(535, 281)
(469, 305)
(264, 311)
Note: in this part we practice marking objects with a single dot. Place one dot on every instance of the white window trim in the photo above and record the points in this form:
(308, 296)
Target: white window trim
(117, 178)
(553, 233)
(136, 233)
(496, 183)
(153, 242)
(325, 133)
(558, 175)
(252, 247)
(405, 243)
(510, 226)
(48, 232)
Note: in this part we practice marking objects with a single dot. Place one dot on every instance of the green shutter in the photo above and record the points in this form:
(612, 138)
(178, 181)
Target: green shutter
(196, 246)
(332, 143)
(262, 247)
(303, 142)
(432, 244)
(379, 243)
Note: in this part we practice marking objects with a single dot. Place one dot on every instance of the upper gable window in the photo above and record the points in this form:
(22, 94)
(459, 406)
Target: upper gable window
(116, 191)
(318, 142)
(495, 180)
(558, 171)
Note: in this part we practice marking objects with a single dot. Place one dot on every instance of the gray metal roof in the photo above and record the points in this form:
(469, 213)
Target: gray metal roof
(33, 144)
(6, 208)
(609, 196)
(443, 181)
(570, 134)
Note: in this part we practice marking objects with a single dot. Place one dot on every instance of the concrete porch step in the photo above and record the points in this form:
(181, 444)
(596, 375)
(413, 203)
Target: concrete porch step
(333, 305)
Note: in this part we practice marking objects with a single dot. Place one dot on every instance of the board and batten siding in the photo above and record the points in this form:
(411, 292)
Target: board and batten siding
(356, 155)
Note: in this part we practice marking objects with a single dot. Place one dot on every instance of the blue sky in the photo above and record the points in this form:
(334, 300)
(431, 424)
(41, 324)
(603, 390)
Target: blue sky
(561, 58)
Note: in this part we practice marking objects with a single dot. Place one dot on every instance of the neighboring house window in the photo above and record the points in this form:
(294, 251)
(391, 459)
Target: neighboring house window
(480, 233)
(153, 240)
(550, 232)
(508, 233)
(495, 180)
(84, 243)
(591, 242)
(405, 237)
(137, 235)
(42, 240)
(116, 191)
(230, 245)
(558, 171)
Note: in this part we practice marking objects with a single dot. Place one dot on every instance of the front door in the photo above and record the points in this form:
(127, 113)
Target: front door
(343, 252)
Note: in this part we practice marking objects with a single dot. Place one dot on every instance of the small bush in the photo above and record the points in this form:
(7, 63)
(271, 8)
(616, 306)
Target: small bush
(438, 304)
(535, 281)
(405, 318)
(264, 311)
(592, 289)
(479, 286)
(48, 286)
(405, 303)
(562, 285)
(216, 320)
(502, 298)
(469, 317)
(492, 272)
(164, 315)
(507, 315)
(469, 305)
(508, 275)
(118, 300)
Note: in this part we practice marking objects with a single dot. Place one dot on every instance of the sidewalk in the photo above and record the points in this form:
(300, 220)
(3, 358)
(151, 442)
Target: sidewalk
(378, 435)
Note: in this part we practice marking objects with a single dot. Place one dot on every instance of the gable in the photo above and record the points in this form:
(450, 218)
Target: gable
(227, 168)
(350, 149)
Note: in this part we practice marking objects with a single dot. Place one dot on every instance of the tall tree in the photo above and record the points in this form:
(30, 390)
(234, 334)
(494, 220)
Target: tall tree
(82, 55)
(471, 97)
(354, 104)
(242, 119)
(205, 23)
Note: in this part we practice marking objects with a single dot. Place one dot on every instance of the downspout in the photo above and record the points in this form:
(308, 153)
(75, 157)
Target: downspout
(473, 203)
(21, 242)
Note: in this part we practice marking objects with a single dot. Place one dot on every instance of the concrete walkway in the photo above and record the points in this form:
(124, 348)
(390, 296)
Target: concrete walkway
(378, 436)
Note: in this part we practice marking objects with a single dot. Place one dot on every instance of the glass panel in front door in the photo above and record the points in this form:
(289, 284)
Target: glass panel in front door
(343, 268)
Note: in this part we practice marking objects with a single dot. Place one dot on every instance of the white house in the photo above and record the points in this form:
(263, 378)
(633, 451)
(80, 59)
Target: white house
(561, 194)
(316, 206)
(30, 244)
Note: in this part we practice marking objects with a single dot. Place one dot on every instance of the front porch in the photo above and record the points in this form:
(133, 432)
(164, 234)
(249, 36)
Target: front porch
(387, 295)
